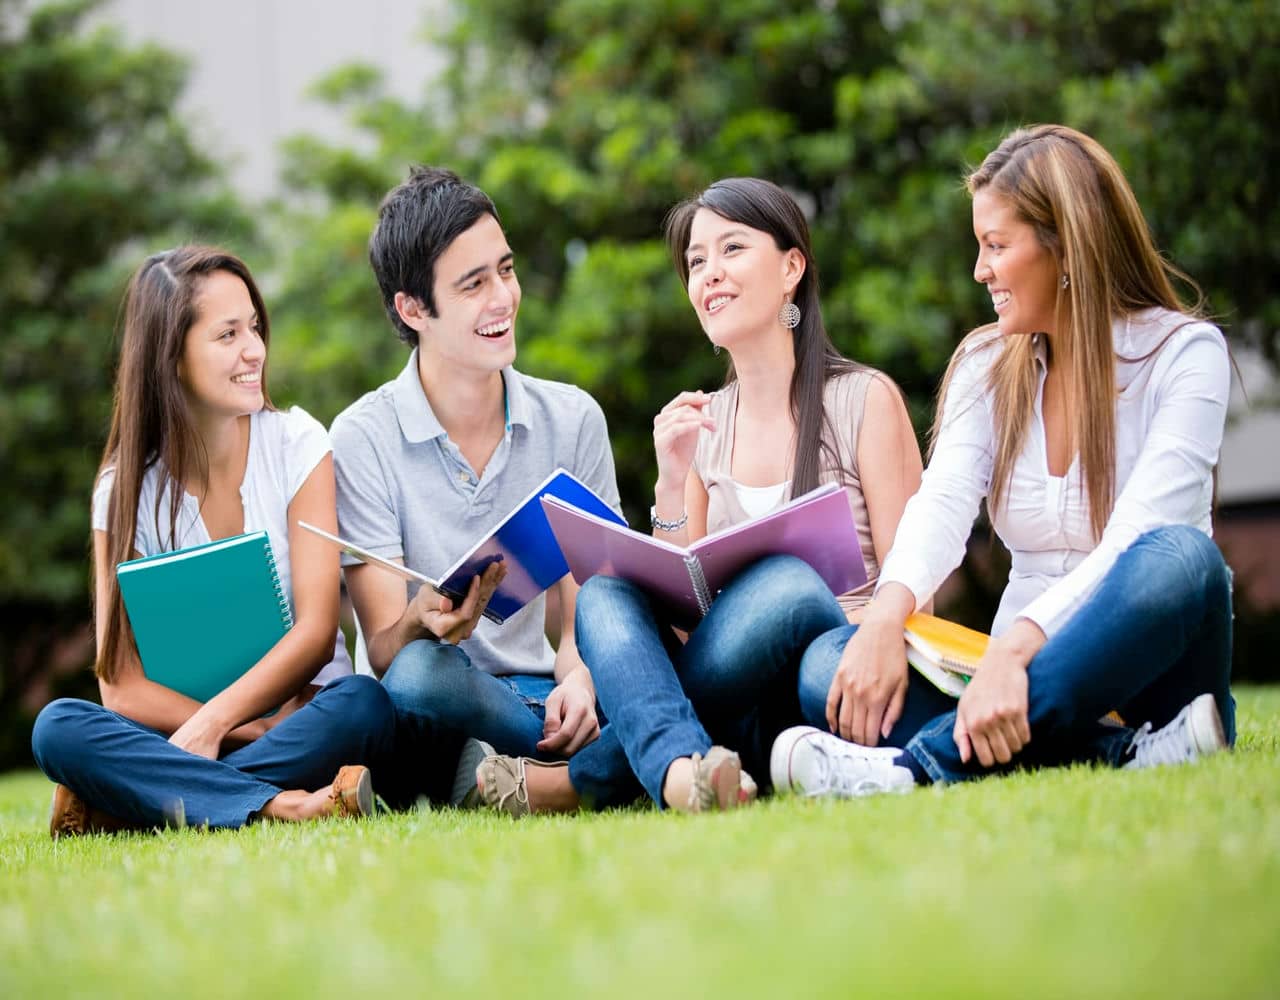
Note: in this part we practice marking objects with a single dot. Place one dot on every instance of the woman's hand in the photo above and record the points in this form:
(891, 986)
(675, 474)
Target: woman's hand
(571, 721)
(870, 684)
(675, 439)
(202, 734)
(991, 719)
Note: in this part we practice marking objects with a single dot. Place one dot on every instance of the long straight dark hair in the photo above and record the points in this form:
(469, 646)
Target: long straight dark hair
(150, 420)
(763, 205)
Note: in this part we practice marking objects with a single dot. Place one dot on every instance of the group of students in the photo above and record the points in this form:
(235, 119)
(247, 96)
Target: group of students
(1088, 416)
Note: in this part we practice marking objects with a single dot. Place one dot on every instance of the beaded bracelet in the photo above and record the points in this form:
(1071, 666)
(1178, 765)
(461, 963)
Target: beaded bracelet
(662, 525)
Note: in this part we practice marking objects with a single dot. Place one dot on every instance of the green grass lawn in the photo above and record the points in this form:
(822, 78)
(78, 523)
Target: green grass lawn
(1070, 883)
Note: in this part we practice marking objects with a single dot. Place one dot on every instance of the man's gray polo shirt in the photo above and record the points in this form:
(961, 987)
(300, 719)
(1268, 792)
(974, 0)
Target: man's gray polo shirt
(404, 489)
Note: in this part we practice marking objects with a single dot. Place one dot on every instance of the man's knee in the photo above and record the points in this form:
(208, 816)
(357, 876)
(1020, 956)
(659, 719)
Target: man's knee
(423, 674)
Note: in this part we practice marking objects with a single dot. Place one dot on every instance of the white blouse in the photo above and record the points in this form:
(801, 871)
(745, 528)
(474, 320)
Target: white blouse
(285, 446)
(1169, 421)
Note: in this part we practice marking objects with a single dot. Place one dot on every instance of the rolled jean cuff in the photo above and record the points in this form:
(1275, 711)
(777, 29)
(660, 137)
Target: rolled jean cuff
(916, 746)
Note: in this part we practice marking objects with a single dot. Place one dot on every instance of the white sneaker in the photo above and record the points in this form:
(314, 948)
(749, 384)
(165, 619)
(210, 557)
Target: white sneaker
(464, 793)
(1195, 732)
(814, 763)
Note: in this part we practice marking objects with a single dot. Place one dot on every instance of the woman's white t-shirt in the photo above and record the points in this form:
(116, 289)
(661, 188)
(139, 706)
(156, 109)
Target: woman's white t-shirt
(285, 446)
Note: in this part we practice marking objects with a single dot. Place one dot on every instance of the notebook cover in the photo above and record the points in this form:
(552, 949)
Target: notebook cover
(202, 616)
(523, 540)
(955, 647)
(817, 527)
(592, 545)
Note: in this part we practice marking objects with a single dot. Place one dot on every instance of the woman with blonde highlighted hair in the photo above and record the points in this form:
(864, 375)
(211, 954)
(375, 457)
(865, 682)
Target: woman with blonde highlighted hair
(1089, 417)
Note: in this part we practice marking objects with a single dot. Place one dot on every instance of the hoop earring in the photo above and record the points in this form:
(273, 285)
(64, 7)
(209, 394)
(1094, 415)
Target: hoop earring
(1066, 281)
(789, 315)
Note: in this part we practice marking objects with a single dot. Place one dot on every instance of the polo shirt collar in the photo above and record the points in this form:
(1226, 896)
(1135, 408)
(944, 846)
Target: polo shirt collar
(517, 397)
(418, 421)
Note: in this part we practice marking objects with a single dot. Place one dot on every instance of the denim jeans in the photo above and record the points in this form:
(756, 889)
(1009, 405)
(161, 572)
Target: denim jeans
(1154, 635)
(136, 775)
(732, 683)
(439, 695)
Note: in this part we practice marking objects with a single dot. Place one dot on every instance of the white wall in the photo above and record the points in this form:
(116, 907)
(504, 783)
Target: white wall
(253, 60)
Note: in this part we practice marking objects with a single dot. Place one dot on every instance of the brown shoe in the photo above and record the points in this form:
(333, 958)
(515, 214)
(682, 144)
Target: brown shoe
(352, 792)
(70, 816)
(719, 782)
(500, 782)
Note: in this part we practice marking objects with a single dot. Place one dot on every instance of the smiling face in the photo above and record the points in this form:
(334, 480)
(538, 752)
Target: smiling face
(476, 296)
(223, 354)
(1020, 273)
(738, 278)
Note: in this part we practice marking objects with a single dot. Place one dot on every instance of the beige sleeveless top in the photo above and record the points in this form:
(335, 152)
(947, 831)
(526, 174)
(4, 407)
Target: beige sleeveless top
(843, 399)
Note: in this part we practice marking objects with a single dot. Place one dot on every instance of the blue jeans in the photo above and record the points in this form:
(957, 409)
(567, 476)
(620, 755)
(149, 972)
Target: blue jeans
(732, 683)
(136, 775)
(438, 694)
(1154, 635)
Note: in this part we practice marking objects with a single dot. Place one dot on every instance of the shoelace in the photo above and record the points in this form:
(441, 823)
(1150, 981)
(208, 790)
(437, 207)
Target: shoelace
(700, 791)
(521, 789)
(1164, 746)
(858, 780)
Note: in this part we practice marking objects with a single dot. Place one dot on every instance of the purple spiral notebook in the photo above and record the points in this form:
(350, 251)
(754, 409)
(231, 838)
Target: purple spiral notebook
(817, 527)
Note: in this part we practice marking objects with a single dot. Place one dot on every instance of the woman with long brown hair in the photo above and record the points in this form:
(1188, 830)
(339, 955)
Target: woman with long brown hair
(1089, 417)
(196, 452)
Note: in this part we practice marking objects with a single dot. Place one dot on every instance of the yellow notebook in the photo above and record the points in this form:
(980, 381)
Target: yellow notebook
(944, 652)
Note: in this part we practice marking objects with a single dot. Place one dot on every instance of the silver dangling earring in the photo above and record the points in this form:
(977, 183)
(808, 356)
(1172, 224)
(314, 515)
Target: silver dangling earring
(1066, 281)
(789, 315)
(715, 349)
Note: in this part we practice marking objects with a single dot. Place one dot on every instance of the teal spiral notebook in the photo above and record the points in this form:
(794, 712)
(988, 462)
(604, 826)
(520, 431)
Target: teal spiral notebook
(202, 616)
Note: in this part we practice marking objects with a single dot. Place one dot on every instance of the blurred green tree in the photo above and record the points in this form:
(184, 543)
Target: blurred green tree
(587, 119)
(96, 169)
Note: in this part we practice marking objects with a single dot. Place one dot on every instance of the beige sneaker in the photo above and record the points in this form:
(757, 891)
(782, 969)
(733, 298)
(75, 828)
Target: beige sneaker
(719, 782)
(501, 785)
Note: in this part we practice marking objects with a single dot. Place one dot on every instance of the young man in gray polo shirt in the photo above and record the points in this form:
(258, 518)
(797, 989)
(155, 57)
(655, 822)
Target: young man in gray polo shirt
(426, 465)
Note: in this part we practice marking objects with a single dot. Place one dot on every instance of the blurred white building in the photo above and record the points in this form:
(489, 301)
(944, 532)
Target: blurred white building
(252, 62)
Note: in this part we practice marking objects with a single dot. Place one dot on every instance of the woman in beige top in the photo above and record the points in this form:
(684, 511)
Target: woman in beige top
(793, 414)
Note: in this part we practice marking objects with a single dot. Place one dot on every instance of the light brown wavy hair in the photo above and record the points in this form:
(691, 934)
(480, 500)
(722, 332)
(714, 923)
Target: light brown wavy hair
(150, 420)
(1073, 194)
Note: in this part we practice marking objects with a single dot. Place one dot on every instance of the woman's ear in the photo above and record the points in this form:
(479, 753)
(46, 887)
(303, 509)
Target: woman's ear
(793, 267)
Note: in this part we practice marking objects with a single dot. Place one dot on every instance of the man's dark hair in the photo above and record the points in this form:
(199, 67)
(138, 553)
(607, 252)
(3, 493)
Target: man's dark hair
(417, 221)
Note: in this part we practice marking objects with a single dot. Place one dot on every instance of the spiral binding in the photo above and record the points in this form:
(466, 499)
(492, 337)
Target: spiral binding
(286, 613)
(699, 580)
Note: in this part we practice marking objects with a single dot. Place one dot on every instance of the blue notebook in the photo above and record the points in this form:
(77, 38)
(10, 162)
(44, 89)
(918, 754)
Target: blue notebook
(522, 540)
(525, 542)
(202, 616)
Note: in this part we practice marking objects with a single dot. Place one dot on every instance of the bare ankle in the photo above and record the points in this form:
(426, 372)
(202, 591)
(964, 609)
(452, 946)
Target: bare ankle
(675, 788)
(550, 790)
(296, 806)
